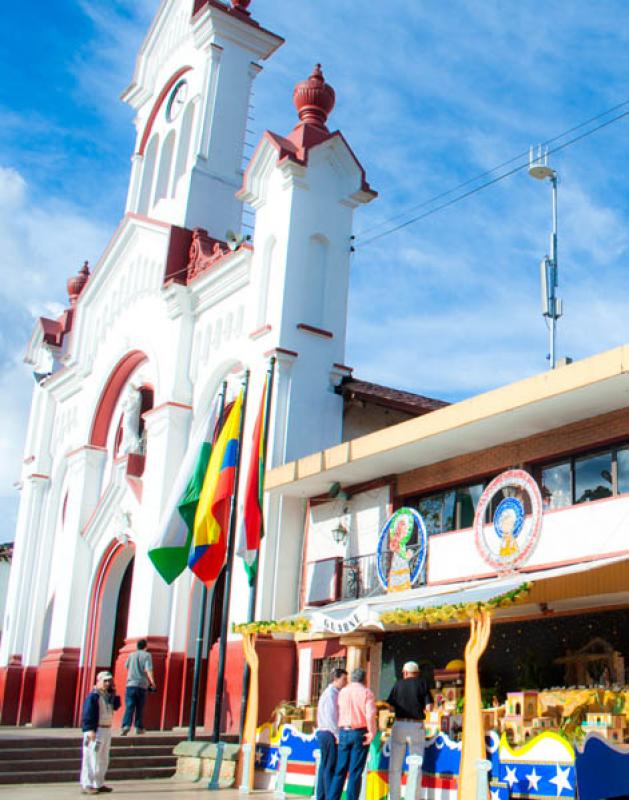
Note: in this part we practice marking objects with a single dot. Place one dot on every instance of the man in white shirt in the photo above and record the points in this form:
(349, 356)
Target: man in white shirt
(328, 731)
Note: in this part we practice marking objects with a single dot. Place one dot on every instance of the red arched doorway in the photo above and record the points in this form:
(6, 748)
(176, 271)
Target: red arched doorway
(107, 616)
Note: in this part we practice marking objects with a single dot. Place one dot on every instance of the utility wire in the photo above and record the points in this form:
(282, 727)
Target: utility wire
(388, 231)
(482, 175)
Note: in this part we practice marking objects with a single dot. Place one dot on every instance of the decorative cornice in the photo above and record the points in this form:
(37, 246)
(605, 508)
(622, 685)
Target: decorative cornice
(302, 326)
(204, 253)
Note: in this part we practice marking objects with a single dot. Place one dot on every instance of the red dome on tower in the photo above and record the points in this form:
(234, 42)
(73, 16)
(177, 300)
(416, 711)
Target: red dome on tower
(314, 99)
(241, 5)
(76, 283)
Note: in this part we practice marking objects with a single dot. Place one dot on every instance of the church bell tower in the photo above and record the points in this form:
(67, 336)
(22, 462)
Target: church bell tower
(191, 91)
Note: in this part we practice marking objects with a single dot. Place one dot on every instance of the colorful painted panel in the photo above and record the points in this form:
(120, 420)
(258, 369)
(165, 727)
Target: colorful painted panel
(510, 538)
(602, 769)
(544, 767)
(401, 550)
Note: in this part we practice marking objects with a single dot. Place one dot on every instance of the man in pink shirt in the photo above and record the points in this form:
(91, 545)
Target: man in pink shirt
(357, 727)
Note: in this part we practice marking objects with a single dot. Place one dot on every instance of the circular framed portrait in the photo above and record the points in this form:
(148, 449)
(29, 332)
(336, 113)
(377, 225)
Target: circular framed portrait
(508, 520)
(401, 552)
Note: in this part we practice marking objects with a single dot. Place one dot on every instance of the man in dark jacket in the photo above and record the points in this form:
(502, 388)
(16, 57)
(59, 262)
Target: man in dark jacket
(409, 698)
(98, 711)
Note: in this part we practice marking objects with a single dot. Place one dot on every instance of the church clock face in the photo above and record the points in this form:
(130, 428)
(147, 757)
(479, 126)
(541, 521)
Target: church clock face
(177, 100)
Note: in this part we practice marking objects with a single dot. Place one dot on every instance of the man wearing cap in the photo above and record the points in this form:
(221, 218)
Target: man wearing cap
(357, 727)
(408, 698)
(98, 711)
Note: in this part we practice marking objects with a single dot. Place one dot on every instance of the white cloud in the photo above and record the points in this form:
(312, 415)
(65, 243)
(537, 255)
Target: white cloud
(41, 247)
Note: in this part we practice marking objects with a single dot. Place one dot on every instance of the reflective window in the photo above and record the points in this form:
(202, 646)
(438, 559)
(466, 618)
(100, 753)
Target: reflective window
(622, 459)
(593, 477)
(557, 486)
(467, 498)
(437, 512)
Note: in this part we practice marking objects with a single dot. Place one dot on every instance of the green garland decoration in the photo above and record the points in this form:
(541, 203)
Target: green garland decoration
(457, 612)
(297, 625)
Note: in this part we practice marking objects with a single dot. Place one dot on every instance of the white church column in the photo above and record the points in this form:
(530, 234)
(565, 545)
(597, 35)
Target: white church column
(167, 429)
(18, 603)
(55, 686)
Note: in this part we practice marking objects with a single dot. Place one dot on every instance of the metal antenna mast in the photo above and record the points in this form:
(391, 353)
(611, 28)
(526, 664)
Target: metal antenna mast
(552, 307)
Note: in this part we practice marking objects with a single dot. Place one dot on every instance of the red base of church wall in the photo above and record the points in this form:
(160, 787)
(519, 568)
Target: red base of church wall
(276, 677)
(158, 648)
(55, 688)
(10, 690)
(27, 695)
(173, 685)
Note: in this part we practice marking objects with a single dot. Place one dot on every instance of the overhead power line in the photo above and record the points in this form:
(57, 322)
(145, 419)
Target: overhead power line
(360, 242)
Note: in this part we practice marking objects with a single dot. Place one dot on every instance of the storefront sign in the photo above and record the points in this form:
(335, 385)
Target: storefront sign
(513, 502)
(401, 550)
(363, 615)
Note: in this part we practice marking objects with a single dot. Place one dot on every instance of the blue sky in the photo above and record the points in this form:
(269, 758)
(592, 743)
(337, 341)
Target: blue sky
(429, 94)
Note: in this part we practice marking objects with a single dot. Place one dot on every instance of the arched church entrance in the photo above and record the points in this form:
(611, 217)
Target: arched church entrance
(108, 616)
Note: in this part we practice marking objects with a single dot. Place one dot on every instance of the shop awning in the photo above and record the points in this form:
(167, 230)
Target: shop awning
(429, 604)
(383, 609)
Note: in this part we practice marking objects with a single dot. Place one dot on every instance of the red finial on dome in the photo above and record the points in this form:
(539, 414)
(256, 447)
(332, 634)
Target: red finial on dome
(241, 5)
(314, 99)
(76, 283)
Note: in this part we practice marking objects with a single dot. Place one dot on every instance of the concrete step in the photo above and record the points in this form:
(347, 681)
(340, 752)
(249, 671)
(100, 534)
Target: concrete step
(58, 759)
(69, 776)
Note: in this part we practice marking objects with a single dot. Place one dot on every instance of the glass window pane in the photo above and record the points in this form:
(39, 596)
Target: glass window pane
(623, 470)
(431, 509)
(556, 490)
(593, 477)
(449, 508)
(467, 500)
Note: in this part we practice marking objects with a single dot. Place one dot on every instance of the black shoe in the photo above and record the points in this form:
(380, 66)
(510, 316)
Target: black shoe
(105, 789)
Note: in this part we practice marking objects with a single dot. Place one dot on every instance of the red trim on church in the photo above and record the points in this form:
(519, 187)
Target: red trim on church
(110, 395)
(156, 106)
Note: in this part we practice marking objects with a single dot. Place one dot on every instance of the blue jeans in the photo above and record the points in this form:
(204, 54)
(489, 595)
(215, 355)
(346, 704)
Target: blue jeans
(350, 760)
(134, 699)
(327, 746)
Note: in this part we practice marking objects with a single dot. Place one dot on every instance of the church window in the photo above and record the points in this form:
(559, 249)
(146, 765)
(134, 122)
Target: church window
(165, 163)
(150, 159)
(181, 162)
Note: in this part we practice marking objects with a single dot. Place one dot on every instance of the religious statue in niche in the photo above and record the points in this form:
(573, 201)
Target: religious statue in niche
(401, 550)
(131, 408)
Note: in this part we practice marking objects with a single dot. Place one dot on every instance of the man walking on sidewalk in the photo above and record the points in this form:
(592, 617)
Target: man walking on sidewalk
(98, 711)
(139, 678)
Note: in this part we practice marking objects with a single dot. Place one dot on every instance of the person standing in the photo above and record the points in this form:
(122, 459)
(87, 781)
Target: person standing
(98, 711)
(139, 679)
(409, 698)
(328, 732)
(357, 727)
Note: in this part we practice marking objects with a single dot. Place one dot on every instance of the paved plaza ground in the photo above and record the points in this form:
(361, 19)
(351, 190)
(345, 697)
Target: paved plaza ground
(171, 789)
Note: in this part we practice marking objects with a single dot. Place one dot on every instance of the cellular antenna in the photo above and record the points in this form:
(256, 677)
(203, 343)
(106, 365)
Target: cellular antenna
(552, 307)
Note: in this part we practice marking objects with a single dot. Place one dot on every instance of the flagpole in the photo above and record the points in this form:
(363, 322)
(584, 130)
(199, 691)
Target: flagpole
(253, 589)
(198, 656)
(222, 652)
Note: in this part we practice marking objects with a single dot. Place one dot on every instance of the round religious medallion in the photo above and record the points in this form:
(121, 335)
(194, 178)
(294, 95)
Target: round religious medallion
(401, 552)
(514, 502)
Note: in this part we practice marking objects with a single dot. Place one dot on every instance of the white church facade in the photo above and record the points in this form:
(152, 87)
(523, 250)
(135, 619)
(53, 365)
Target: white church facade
(128, 374)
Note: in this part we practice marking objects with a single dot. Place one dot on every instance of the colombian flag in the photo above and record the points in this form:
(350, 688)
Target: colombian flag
(253, 526)
(211, 521)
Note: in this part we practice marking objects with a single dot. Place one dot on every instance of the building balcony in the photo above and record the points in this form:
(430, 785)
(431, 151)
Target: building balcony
(332, 580)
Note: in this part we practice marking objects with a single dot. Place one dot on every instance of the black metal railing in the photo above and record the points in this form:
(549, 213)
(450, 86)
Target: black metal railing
(359, 577)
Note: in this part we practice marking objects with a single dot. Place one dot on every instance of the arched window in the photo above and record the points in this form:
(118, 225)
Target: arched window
(265, 281)
(165, 163)
(181, 163)
(150, 158)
